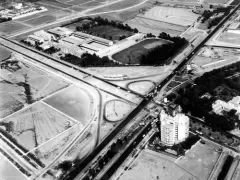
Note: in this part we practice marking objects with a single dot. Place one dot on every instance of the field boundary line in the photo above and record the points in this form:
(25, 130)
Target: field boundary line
(31, 151)
(60, 112)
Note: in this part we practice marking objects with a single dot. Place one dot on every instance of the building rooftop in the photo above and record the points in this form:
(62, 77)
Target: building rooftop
(60, 31)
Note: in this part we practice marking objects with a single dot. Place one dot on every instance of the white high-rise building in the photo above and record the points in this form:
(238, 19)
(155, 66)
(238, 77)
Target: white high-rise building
(174, 129)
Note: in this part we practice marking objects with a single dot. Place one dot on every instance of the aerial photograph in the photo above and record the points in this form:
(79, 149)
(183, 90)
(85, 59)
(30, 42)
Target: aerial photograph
(120, 90)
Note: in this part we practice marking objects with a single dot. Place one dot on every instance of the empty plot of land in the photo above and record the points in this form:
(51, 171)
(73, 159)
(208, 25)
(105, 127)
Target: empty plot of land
(151, 166)
(217, 1)
(4, 54)
(11, 27)
(89, 4)
(133, 54)
(22, 84)
(200, 160)
(109, 31)
(141, 87)
(8, 171)
(232, 38)
(179, 16)
(117, 110)
(80, 2)
(145, 25)
(73, 101)
(54, 3)
(48, 151)
(41, 20)
(35, 125)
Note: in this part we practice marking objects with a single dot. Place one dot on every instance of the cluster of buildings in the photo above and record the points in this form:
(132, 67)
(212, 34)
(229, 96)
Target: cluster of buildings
(219, 106)
(18, 10)
(69, 41)
(174, 128)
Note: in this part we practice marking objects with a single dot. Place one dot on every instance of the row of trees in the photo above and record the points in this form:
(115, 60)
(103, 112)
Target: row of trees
(162, 54)
(2, 19)
(88, 60)
(190, 99)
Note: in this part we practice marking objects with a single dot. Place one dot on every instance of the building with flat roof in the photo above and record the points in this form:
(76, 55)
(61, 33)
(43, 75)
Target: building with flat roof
(60, 32)
(234, 25)
(174, 129)
(93, 38)
(43, 34)
(35, 38)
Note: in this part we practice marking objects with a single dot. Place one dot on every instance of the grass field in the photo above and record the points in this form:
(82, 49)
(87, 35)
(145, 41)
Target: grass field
(11, 27)
(150, 165)
(41, 20)
(133, 54)
(22, 84)
(53, 3)
(200, 160)
(109, 31)
(141, 87)
(73, 101)
(216, 1)
(117, 110)
(179, 16)
(35, 125)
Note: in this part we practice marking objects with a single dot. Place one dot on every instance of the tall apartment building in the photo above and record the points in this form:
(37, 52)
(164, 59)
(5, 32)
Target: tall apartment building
(174, 129)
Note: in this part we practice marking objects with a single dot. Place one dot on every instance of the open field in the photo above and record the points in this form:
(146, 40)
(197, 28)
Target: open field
(216, 1)
(4, 54)
(73, 101)
(22, 84)
(8, 170)
(89, 4)
(53, 3)
(212, 55)
(151, 165)
(200, 160)
(41, 20)
(109, 31)
(179, 16)
(133, 54)
(231, 38)
(155, 27)
(48, 151)
(116, 110)
(11, 27)
(236, 175)
(35, 125)
(141, 87)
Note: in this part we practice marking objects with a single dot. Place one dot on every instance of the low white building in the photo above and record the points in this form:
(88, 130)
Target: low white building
(43, 34)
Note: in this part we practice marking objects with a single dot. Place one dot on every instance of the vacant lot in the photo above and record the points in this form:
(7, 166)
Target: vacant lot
(133, 54)
(141, 87)
(41, 20)
(152, 166)
(117, 110)
(179, 16)
(73, 101)
(11, 27)
(54, 3)
(48, 151)
(8, 171)
(22, 84)
(200, 160)
(231, 38)
(109, 31)
(4, 54)
(35, 125)
(217, 1)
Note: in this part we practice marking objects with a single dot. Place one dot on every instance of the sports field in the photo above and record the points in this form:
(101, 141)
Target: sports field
(35, 125)
(179, 16)
(133, 54)
(73, 101)
(41, 20)
(109, 31)
(200, 160)
(150, 165)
